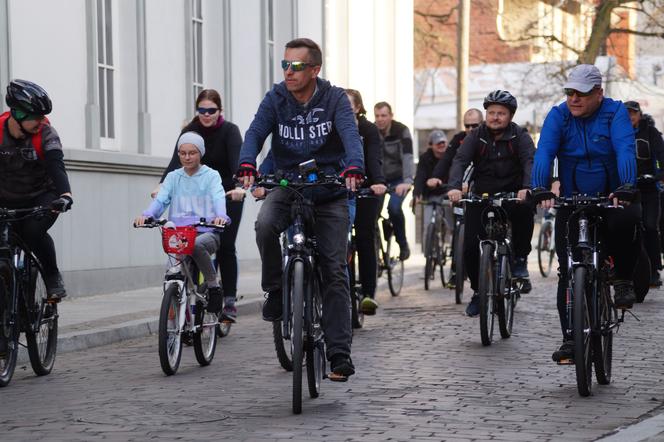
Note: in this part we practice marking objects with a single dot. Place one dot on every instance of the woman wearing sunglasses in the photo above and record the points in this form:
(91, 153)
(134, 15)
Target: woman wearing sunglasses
(222, 143)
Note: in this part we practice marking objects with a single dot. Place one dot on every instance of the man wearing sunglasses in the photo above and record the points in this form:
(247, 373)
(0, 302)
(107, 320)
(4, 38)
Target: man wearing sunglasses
(593, 140)
(649, 163)
(308, 118)
(33, 173)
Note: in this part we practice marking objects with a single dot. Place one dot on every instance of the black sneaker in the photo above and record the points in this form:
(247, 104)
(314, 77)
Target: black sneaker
(565, 354)
(55, 287)
(473, 308)
(273, 306)
(215, 300)
(526, 286)
(341, 367)
(404, 252)
(624, 296)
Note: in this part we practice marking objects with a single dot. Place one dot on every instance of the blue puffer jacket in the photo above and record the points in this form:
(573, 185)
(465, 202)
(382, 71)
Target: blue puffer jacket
(324, 130)
(595, 154)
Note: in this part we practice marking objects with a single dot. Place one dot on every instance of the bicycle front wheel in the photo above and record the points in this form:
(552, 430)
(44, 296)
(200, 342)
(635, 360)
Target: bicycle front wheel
(545, 248)
(8, 331)
(170, 336)
(486, 293)
(505, 299)
(430, 257)
(459, 271)
(282, 346)
(42, 336)
(205, 336)
(394, 269)
(602, 342)
(357, 316)
(581, 332)
(297, 300)
(315, 344)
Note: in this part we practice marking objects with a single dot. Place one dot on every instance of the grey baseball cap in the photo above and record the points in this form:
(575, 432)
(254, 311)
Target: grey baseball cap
(584, 78)
(437, 136)
(633, 105)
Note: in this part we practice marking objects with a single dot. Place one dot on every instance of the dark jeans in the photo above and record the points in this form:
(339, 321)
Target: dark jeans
(521, 217)
(226, 255)
(365, 233)
(331, 230)
(396, 215)
(651, 213)
(34, 232)
(621, 240)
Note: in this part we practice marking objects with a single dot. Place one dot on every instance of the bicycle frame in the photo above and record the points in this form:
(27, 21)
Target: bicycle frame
(181, 274)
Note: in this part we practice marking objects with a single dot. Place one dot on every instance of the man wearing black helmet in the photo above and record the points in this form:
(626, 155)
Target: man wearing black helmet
(502, 153)
(33, 173)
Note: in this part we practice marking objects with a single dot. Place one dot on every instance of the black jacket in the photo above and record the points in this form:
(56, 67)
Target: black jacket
(649, 153)
(425, 168)
(398, 154)
(442, 169)
(373, 150)
(222, 149)
(502, 165)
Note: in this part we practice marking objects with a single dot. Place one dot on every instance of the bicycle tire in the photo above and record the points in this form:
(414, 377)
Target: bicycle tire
(285, 360)
(602, 343)
(357, 316)
(459, 271)
(297, 300)
(315, 346)
(170, 341)
(42, 338)
(205, 336)
(642, 273)
(8, 332)
(486, 294)
(429, 254)
(381, 264)
(505, 300)
(581, 333)
(545, 249)
(442, 252)
(395, 269)
(224, 329)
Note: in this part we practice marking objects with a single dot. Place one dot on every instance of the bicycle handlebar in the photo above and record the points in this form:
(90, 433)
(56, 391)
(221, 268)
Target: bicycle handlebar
(22, 213)
(152, 223)
(494, 198)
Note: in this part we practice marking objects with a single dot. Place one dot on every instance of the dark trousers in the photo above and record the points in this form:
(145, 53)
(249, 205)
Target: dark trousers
(621, 240)
(651, 214)
(366, 216)
(395, 212)
(226, 255)
(521, 217)
(331, 230)
(34, 232)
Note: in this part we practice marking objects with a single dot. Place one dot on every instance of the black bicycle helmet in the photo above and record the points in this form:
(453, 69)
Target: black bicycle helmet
(503, 98)
(28, 97)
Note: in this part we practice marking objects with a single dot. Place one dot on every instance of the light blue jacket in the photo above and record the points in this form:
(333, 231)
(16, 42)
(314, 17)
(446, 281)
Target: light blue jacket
(190, 197)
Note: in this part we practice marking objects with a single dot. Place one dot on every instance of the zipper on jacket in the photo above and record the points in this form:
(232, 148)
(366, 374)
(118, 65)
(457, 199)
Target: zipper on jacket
(585, 145)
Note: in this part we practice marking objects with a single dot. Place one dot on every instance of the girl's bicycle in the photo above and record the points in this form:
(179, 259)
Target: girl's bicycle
(24, 307)
(183, 314)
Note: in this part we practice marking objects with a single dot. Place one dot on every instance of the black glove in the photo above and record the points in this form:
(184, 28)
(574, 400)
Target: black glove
(540, 194)
(62, 204)
(246, 169)
(626, 192)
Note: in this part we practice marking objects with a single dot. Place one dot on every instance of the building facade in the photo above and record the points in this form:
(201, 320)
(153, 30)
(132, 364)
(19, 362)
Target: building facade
(123, 76)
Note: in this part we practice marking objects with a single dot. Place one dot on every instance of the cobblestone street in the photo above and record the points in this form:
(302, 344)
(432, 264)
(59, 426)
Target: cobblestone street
(422, 374)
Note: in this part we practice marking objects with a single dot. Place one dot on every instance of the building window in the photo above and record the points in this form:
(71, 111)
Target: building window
(105, 69)
(269, 42)
(197, 48)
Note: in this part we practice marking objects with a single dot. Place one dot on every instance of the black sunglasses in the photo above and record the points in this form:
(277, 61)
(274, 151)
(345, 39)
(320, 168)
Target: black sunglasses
(570, 92)
(207, 110)
(474, 125)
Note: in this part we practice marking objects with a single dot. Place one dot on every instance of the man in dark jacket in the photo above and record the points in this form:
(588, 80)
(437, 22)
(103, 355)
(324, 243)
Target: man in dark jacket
(502, 153)
(398, 168)
(307, 118)
(649, 160)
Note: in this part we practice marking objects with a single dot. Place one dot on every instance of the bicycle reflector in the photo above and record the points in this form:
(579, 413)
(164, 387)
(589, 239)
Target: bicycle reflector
(283, 182)
(180, 240)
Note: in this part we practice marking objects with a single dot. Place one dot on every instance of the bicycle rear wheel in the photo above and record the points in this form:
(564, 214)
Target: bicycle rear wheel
(170, 337)
(602, 343)
(8, 331)
(282, 346)
(545, 248)
(205, 336)
(581, 332)
(486, 293)
(505, 299)
(442, 253)
(394, 269)
(315, 357)
(430, 256)
(297, 301)
(41, 337)
(459, 271)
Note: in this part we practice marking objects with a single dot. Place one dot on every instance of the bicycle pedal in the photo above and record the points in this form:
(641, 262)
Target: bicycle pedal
(565, 362)
(53, 300)
(336, 377)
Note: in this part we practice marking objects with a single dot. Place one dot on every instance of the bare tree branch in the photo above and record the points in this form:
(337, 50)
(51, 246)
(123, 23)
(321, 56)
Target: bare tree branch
(635, 32)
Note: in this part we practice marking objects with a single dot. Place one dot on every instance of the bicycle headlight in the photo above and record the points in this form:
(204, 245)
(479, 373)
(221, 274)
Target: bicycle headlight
(298, 239)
